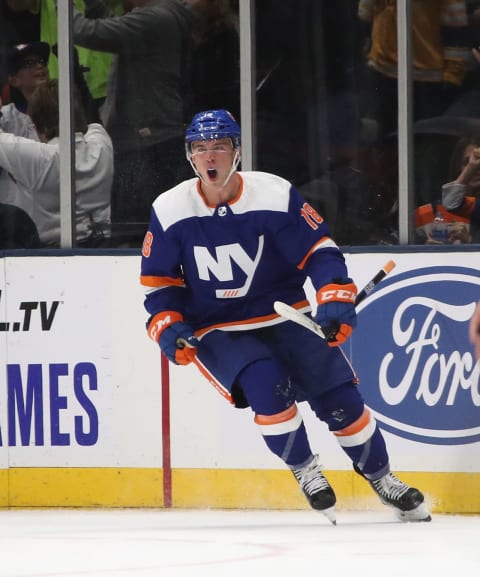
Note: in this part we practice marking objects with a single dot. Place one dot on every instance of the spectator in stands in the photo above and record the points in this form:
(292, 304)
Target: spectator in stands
(456, 218)
(434, 224)
(91, 68)
(27, 69)
(15, 122)
(461, 196)
(144, 108)
(36, 168)
(440, 55)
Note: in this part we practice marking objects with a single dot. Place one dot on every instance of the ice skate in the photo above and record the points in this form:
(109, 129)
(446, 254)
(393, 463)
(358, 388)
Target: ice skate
(407, 502)
(316, 489)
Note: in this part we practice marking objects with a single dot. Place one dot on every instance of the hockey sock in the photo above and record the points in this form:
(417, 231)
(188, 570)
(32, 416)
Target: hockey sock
(271, 397)
(285, 435)
(355, 429)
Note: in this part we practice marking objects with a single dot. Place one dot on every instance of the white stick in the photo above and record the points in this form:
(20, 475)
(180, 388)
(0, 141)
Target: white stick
(288, 312)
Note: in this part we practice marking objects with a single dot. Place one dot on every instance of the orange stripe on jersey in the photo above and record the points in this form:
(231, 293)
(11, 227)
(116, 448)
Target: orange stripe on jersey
(278, 418)
(323, 240)
(160, 281)
(356, 426)
(254, 321)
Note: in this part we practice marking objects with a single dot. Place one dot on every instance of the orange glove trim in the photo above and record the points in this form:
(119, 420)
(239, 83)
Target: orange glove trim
(342, 335)
(337, 292)
(160, 322)
(186, 355)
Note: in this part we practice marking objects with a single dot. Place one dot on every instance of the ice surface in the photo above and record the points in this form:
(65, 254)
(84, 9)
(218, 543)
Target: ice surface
(178, 543)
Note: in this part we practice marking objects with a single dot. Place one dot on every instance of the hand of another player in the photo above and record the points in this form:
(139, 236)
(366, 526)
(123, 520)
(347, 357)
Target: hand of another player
(336, 310)
(474, 331)
(179, 343)
(476, 54)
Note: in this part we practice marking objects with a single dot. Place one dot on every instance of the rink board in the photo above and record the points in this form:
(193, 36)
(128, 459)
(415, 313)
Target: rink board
(83, 422)
(216, 489)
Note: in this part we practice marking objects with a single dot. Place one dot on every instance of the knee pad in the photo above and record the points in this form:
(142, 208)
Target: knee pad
(339, 407)
(266, 387)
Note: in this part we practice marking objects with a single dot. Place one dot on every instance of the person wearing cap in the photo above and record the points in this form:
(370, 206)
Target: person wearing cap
(27, 69)
(220, 249)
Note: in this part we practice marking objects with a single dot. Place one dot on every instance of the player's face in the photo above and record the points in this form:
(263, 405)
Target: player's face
(213, 159)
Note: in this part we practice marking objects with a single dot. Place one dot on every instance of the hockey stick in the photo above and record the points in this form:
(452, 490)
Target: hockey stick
(292, 314)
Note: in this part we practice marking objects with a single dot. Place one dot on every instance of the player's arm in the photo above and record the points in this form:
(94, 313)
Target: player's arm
(323, 262)
(164, 296)
(335, 294)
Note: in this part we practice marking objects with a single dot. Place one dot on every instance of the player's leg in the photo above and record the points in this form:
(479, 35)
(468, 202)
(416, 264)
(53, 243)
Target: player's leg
(324, 377)
(357, 432)
(242, 367)
(272, 398)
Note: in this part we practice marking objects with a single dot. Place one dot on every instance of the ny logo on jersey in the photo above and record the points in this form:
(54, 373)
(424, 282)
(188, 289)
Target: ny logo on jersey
(220, 266)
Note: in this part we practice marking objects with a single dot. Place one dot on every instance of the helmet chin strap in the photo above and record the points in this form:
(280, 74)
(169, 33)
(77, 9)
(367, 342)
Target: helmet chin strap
(236, 160)
(194, 168)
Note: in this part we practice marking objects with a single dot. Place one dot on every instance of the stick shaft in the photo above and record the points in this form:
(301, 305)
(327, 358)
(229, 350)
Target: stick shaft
(292, 314)
(331, 330)
(368, 288)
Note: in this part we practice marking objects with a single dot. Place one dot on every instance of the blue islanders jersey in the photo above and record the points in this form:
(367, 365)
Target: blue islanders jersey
(223, 267)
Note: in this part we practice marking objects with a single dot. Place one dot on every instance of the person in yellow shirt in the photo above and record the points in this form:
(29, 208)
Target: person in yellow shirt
(440, 56)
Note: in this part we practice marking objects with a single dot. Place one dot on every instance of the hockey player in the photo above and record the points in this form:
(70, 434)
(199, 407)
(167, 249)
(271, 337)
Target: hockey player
(221, 248)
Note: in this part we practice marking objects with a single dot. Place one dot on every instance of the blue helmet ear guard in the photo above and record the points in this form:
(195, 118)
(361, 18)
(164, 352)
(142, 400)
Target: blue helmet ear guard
(213, 125)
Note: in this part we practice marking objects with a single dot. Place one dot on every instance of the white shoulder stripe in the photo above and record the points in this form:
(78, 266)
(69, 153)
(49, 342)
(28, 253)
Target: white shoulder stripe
(262, 191)
(181, 202)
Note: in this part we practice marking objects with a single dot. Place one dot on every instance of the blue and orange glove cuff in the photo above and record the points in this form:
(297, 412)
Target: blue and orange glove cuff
(335, 292)
(160, 322)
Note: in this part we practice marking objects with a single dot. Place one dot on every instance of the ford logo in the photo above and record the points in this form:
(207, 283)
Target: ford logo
(413, 357)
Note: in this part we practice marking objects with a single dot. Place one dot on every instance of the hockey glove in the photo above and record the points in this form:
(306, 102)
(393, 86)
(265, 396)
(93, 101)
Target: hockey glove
(176, 339)
(178, 343)
(336, 310)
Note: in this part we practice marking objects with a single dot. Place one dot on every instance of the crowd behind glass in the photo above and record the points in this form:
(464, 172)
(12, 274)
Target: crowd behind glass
(325, 100)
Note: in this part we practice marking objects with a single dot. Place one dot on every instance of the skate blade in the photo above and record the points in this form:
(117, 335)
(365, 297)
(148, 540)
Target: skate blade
(418, 515)
(330, 514)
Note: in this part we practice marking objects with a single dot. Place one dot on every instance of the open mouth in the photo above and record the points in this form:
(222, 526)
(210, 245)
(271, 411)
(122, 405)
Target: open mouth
(212, 173)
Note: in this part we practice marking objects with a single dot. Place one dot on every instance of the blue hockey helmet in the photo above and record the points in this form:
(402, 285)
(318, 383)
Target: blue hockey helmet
(213, 125)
